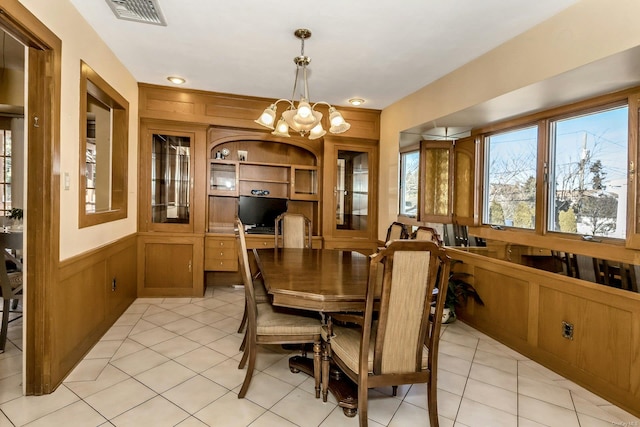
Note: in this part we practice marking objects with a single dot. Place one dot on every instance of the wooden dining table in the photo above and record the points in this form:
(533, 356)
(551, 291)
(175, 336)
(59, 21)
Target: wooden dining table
(322, 280)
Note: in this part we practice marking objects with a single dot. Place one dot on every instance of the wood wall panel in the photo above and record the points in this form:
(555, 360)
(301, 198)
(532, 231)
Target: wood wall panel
(85, 306)
(604, 355)
(236, 111)
(506, 302)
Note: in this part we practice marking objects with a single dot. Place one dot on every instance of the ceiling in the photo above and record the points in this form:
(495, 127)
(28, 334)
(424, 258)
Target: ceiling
(378, 50)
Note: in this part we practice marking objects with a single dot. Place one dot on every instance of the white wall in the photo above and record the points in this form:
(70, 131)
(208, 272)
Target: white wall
(80, 42)
(586, 32)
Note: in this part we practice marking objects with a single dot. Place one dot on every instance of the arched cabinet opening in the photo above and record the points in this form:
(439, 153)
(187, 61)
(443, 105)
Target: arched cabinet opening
(256, 172)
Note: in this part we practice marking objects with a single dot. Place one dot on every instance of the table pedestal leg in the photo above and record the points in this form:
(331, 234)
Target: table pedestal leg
(344, 390)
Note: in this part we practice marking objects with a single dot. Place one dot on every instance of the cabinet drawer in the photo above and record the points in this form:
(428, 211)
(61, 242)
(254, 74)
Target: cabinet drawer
(261, 243)
(220, 253)
(221, 264)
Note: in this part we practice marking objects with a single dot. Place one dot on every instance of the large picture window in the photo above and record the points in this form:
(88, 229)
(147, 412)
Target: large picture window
(510, 179)
(588, 170)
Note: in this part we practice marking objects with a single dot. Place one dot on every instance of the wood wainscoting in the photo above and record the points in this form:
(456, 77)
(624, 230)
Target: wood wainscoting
(525, 309)
(94, 289)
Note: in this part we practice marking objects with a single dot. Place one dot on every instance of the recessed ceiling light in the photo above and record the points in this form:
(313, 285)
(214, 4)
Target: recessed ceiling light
(356, 101)
(176, 80)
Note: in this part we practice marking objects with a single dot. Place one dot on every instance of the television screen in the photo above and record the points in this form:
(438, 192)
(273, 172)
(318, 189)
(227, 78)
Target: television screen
(260, 211)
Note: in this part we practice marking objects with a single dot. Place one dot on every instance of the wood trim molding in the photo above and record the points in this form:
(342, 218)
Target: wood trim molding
(43, 202)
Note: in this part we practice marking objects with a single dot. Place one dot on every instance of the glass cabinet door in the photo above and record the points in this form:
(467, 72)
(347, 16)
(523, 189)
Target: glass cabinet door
(352, 190)
(171, 173)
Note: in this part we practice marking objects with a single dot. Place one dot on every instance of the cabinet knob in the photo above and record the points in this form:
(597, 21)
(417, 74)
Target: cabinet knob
(221, 243)
(264, 243)
(221, 253)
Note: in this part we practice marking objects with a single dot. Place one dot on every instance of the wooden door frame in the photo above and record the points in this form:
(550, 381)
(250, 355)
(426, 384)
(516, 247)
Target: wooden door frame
(42, 119)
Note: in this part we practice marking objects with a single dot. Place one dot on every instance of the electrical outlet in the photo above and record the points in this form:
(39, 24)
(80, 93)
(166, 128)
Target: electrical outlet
(567, 330)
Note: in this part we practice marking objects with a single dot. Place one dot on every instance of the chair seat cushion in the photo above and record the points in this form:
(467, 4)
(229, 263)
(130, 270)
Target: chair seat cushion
(15, 279)
(272, 322)
(345, 344)
(260, 292)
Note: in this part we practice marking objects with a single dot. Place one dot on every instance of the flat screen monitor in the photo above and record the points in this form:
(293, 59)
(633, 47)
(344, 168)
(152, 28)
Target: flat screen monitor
(260, 211)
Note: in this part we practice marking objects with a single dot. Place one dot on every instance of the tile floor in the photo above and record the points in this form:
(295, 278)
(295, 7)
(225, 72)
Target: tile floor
(174, 362)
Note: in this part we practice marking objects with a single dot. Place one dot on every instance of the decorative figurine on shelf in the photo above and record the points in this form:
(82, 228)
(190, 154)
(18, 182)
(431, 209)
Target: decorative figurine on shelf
(218, 155)
(225, 152)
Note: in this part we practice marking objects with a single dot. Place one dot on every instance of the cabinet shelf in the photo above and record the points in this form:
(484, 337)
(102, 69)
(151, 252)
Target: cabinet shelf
(274, 181)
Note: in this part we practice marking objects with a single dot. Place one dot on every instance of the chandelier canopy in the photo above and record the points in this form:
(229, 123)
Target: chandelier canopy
(303, 119)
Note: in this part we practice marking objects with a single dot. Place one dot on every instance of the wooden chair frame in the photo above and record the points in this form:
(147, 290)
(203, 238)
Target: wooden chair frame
(296, 330)
(428, 324)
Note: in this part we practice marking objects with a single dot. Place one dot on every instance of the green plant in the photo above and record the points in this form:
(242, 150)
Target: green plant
(16, 213)
(459, 289)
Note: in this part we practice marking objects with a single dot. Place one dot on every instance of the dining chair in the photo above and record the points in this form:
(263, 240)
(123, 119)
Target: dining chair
(397, 230)
(10, 290)
(267, 325)
(427, 233)
(293, 230)
(399, 345)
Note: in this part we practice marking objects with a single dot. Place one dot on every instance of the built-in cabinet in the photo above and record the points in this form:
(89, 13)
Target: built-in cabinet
(350, 194)
(201, 152)
(170, 213)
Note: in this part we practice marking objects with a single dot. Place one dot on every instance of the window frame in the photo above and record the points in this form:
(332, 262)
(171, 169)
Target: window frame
(415, 148)
(540, 235)
(91, 84)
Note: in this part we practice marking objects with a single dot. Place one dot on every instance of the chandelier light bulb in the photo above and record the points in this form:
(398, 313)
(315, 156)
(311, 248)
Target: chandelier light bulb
(304, 109)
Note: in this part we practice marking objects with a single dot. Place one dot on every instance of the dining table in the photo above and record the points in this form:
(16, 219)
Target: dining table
(322, 280)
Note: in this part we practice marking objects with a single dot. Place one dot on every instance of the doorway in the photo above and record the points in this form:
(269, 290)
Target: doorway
(40, 196)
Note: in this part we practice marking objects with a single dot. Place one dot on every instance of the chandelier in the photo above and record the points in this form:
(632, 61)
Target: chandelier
(303, 119)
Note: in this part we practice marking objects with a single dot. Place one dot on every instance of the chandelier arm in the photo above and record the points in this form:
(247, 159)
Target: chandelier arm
(284, 100)
(321, 103)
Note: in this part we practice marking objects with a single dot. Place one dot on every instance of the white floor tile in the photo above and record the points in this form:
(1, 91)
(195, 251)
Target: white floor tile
(201, 359)
(76, 414)
(175, 347)
(229, 411)
(474, 414)
(156, 412)
(185, 373)
(195, 393)
(494, 376)
(119, 398)
(314, 410)
(546, 413)
(266, 390)
(165, 376)
(140, 361)
(29, 408)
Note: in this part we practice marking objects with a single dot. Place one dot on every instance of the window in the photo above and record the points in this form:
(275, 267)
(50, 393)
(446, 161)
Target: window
(5, 173)
(104, 130)
(587, 174)
(409, 181)
(510, 180)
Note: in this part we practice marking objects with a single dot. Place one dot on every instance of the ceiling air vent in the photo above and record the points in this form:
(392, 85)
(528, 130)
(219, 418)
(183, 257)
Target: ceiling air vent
(147, 11)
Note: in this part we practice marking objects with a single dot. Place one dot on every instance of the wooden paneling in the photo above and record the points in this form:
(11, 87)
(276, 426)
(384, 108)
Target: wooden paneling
(236, 111)
(506, 302)
(525, 307)
(85, 303)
